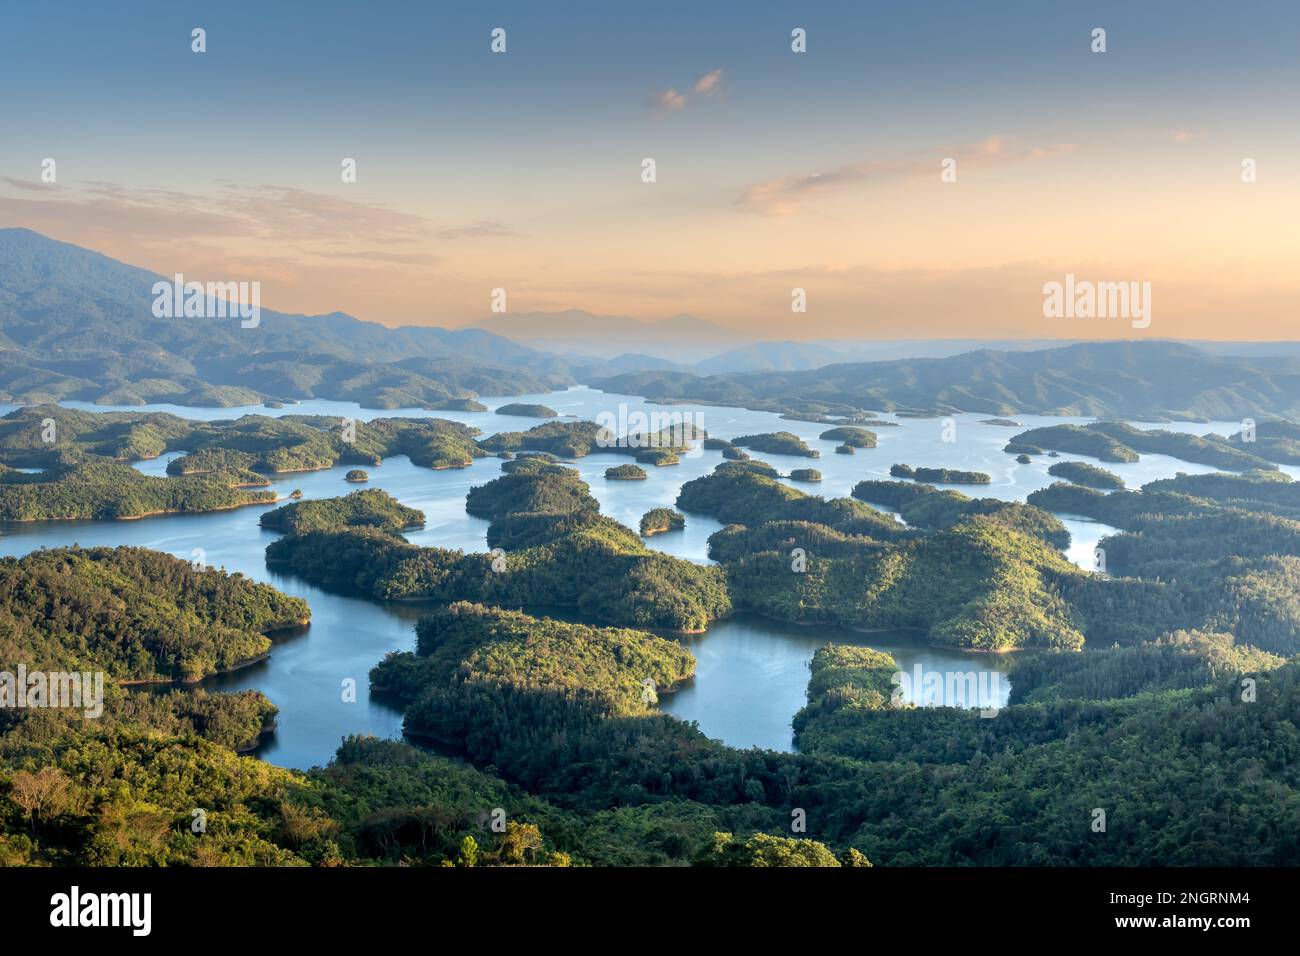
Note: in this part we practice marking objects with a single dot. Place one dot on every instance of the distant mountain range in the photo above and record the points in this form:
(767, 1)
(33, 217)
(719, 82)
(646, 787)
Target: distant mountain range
(584, 335)
(1152, 380)
(75, 324)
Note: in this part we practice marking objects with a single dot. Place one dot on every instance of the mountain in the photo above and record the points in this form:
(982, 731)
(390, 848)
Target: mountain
(770, 356)
(680, 338)
(1153, 380)
(75, 324)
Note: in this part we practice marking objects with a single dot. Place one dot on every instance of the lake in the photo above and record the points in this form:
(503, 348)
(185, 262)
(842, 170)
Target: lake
(752, 673)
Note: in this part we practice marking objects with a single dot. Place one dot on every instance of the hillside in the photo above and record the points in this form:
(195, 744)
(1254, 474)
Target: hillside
(1152, 380)
(75, 324)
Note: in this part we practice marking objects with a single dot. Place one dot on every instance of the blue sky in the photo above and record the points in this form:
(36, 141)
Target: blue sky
(535, 146)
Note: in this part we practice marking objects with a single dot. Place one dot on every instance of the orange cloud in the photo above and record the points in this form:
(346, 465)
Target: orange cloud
(784, 195)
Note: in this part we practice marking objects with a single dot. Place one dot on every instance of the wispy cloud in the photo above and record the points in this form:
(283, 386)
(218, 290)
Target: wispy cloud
(484, 228)
(783, 195)
(667, 101)
(27, 185)
(672, 100)
(310, 222)
(708, 83)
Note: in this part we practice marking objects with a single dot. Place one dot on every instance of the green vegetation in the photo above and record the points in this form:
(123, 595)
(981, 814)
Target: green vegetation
(625, 473)
(940, 476)
(231, 450)
(367, 508)
(851, 437)
(657, 520)
(105, 489)
(1177, 661)
(738, 493)
(468, 656)
(927, 507)
(1090, 476)
(577, 439)
(1120, 442)
(845, 681)
(659, 457)
(1074, 439)
(134, 614)
(777, 443)
(805, 474)
(558, 549)
(357, 475)
(764, 851)
(527, 411)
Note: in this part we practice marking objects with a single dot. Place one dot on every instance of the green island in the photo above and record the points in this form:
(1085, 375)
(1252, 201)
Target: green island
(777, 443)
(137, 615)
(103, 488)
(243, 448)
(850, 437)
(357, 475)
(1121, 442)
(933, 509)
(625, 473)
(657, 520)
(1090, 476)
(366, 508)
(577, 439)
(940, 476)
(524, 410)
(555, 548)
(805, 474)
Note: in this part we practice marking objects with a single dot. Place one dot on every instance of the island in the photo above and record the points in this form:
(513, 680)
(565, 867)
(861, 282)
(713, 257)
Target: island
(658, 520)
(527, 411)
(940, 476)
(1082, 473)
(625, 473)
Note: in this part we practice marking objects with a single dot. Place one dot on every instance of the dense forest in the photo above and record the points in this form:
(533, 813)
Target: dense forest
(553, 548)
(43, 435)
(939, 476)
(136, 615)
(1163, 690)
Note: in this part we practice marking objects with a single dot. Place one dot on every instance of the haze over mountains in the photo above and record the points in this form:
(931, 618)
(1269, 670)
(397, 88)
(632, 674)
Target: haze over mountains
(75, 324)
(1154, 380)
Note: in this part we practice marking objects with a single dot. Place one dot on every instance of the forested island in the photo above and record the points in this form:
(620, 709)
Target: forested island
(625, 473)
(1120, 442)
(136, 615)
(524, 410)
(940, 476)
(657, 520)
(777, 443)
(1090, 476)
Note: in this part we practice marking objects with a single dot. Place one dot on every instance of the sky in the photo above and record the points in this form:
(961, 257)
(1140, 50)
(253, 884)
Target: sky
(774, 170)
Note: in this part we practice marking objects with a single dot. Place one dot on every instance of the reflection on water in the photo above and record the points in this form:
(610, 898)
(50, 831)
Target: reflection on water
(752, 673)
